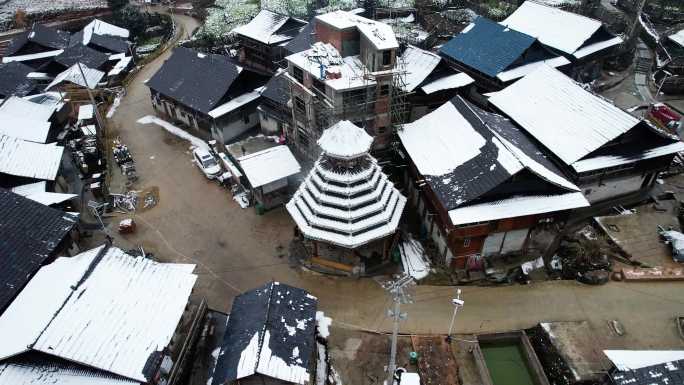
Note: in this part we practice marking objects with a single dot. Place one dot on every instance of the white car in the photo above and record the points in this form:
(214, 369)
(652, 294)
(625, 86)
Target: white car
(206, 162)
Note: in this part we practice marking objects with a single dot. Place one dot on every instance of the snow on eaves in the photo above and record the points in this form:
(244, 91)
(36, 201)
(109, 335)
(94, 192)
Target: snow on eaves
(418, 65)
(36, 374)
(568, 120)
(73, 75)
(264, 27)
(269, 165)
(448, 82)
(80, 309)
(99, 27)
(637, 359)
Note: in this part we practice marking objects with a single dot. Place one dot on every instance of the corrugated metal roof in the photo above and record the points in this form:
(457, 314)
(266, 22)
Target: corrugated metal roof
(517, 207)
(605, 161)
(102, 308)
(418, 65)
(17, 106)
(269, 165)
(28, 159)
(27, 373)
(568, 120)
(73, 75)
(271, 332)
(487, 46)
(30, 234)
(194, 79)
(562, 30)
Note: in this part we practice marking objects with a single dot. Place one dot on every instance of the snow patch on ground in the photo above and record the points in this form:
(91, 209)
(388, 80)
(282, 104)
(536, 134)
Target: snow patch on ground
(323, 323)
(149, 119)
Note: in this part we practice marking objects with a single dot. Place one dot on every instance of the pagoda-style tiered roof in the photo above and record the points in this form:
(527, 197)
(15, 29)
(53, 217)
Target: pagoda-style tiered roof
(346, 199)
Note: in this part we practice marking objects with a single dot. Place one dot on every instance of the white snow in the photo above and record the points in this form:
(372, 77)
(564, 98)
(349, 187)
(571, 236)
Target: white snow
(73, 75)
(195, 141)
(85, 312)
(414, 259)
(248, 358)
(636, 359)
(351, 70)
(516, 207)
(345, 140)
(274, 366)
(291, 330)
(33, 56)
(678, 37)
(562, 30)
(120, 66)
(458, 80)
(323, 324)
(520, 71)
(437, 148)
(85, 112)
(234, 104)
(606, 161)
(321, 364)
(264, 26)
(28, 159)
(418, 65)
(468, 28)
(592, 48)
(581, 121)
(269, 165)
(379, 34)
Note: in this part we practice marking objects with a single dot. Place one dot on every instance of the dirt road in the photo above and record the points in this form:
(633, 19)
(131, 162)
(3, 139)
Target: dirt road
(235, 250)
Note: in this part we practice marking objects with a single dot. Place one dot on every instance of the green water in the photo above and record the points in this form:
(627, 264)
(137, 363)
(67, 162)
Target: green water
(506, 363)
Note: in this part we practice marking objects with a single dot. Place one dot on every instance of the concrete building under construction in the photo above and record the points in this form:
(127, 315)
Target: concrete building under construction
(350, 73)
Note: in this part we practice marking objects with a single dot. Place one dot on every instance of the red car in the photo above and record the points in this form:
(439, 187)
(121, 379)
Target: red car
(665, 117)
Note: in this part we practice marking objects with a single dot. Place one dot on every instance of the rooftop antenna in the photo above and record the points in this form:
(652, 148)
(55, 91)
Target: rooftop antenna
(399, 296)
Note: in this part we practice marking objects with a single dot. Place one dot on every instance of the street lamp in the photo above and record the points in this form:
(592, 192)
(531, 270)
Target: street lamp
(458, 303)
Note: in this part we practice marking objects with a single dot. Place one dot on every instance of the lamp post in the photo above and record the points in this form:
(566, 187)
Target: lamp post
(457, 303)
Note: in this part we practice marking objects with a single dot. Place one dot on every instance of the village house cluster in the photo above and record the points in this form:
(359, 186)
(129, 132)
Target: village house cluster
(380, 150)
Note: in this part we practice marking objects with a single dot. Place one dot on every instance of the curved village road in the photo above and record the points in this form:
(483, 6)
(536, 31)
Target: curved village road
(197, 222)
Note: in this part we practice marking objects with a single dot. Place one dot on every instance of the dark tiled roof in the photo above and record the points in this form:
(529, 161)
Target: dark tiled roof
(277, 89)
(304, 39)
(487, 47)
(109, 43)
(83, 54)
(13, 80)
(16, 44)
(49, 37)
(30, 234)
(667, 373)
(196, 80)
(287, 313)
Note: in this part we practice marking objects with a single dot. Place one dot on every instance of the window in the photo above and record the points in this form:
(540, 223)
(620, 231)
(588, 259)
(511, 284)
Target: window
(298, 74)
(384, 90)
(466, 242)
(300, 106)
(319, 85)
(381, 130)
(386, 57)
(245, 118)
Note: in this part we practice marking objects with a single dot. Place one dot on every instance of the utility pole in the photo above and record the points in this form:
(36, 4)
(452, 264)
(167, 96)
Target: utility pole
(458, 303)
(632, 31)
(396, 290)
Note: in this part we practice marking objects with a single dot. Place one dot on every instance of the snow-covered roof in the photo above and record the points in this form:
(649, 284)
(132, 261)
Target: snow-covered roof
(36, 192)
(520, 71)
(99, 27)
(33, 56)
(73, 75)
(120, 66)
(234, 104)
(562, 30)
(605, 161)
(415, 261)
(351, 69)
(270, 332)
(441, 141)
(80, 309)
(24, 127)
(269, 165)
(448, 82)
(367, 208)
(517, 207)
(85, 112)
(30, 373)
(678, 37)
(22, 107)
(568, 120)
(264, 28)
(636, 359)
(595, 47)
(345, 140)
(379, 34)
(31, 160)
(418, 64)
